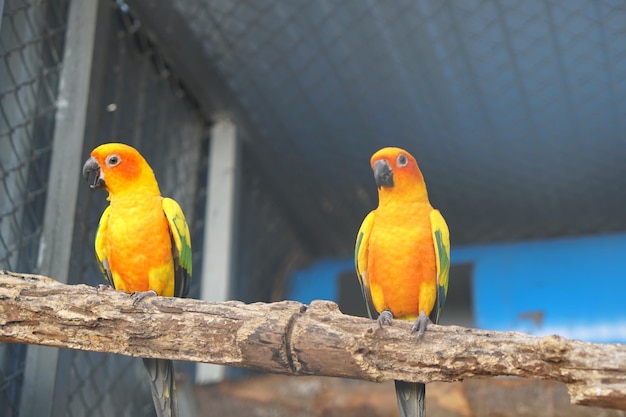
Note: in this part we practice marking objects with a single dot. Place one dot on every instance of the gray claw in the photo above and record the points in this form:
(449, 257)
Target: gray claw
(420, 324)
(140, 295)
(385, 318)
(103, 287)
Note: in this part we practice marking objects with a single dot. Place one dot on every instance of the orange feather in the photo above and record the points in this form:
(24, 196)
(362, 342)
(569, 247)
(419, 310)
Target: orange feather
(402, 269)
(402, 256)
(139, 245)
(143, 244)
(137, 242)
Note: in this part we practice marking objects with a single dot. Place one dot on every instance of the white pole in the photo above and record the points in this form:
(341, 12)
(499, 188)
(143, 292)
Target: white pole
(220, 215)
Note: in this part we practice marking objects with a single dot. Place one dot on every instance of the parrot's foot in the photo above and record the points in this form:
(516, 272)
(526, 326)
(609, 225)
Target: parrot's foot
(420, 324)
(386, 317)
(103, 287)
(137, 296)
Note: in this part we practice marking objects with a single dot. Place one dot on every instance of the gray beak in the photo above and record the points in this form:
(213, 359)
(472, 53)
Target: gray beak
(91, 165)
(383, 174)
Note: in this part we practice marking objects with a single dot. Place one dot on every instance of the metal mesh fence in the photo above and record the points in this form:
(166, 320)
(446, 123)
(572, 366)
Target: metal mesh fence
(138, 101)
(268, 247)
(515, 110)
(31, 49)
(141, 102)
(136, 98)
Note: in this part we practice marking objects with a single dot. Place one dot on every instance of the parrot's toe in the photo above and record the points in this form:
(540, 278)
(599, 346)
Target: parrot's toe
(420, 325)
(140, 295)
(103, 287)
(385, 318)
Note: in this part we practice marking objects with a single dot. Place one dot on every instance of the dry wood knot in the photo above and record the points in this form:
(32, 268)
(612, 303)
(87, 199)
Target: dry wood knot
(323, 307)
(554, 348)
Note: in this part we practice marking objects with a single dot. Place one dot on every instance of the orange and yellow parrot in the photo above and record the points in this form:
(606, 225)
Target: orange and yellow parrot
(402, 256)
(142, 244)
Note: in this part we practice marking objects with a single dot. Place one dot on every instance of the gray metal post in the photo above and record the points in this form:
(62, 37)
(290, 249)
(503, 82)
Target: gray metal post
(63, 181)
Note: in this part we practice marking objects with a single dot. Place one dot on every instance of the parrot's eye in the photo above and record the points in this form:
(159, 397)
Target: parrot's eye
(402, 160)
(113, 160)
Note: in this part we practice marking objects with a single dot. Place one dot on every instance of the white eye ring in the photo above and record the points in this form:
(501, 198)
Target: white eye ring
(113, 160)
(402, 160)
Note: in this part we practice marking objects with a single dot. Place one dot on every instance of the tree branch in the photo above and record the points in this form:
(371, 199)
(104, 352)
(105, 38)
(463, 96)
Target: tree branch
(291, 338)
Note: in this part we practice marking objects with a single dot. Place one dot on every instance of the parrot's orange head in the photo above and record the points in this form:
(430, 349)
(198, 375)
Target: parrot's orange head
(120, 168)
(396, 171)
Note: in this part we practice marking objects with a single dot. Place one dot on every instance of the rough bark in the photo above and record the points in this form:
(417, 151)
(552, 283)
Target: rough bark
(291, 338)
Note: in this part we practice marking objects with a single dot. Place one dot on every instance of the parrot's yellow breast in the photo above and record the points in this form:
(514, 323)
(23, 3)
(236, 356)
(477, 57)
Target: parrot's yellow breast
(402, 270)
(138, 245)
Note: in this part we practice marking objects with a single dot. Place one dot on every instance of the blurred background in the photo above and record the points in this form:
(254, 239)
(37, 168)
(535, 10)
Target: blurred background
(260, 116)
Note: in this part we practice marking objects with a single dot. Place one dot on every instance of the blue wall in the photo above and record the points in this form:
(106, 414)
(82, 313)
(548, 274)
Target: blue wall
(574, 287)
(319, 282)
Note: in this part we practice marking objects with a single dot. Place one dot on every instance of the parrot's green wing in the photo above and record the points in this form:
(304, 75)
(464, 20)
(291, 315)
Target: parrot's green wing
(441, 240)
(101, 254)
(360, 261)
(181, 246)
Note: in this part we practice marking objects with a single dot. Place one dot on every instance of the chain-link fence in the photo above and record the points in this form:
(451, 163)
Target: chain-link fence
(31, 49)
(269, 249)
(138, 101)
(514, 109)
(136, 98)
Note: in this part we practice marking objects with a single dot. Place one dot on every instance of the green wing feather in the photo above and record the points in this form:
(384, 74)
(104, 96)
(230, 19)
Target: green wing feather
(441, 240)
(181, 247)
(101, 254)
(360, 260)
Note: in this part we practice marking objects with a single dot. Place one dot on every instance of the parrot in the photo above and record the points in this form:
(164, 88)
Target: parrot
(142, 244)
(402, 257)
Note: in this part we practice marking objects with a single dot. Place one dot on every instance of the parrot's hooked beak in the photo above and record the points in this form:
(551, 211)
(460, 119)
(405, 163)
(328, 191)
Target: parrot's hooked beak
(91, 165)
(383, 174)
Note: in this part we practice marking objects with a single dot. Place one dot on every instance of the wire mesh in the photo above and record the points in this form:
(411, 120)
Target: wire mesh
(268, 247)
(135, 98)
(143, 104)
(515, 110)
(138, 101)
(31, 48)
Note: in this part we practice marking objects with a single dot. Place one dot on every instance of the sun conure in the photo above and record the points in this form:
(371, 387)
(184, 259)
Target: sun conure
(142, 244)
(402, 256)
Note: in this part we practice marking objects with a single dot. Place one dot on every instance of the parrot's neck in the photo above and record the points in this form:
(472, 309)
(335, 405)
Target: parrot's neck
(145, 189)
(401, 197)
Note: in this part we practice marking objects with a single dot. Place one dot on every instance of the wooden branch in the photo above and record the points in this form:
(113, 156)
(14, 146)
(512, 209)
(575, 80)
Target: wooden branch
(291, 338)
